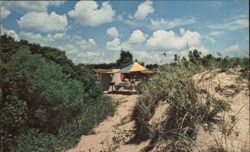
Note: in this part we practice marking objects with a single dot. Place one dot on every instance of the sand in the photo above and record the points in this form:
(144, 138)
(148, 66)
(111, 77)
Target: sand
(112, 127)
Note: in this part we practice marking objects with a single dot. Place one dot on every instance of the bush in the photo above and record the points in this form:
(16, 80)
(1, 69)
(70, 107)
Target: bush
(51, 97)
(69, 134)
(90, 83)
(34, 140)
(46, 98)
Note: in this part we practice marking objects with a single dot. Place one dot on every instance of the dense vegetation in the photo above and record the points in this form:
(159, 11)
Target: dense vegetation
(47, 102)
(185, 114)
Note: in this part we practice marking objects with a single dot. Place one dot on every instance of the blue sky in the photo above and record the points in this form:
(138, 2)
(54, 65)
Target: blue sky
(96, 31)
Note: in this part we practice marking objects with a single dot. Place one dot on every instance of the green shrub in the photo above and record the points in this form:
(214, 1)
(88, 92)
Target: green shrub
(42, 89)
(34, 140)
(68, 135)
(52, 98)
(90, 83)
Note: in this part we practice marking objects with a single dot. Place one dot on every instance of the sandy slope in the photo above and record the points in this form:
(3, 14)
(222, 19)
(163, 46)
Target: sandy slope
(229, 87)
(115, 126)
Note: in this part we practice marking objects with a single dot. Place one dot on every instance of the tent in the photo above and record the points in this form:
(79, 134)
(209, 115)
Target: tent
(135, 71)
(134, 67)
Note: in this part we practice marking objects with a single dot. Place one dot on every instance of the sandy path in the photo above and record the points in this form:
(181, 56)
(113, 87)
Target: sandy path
(111, 127)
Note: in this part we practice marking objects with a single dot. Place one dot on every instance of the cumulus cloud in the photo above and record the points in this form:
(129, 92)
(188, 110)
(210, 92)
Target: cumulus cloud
(89, 44)
(165, 24)
(143, 10)
(4, 12)
(36, 38)
(137, 37)
(69, 49)
(56, 3)
(44, 22)
(209, 39)
(113, 32)
(27, 6)
(9, 32)
(90, 57)
(78, 55)
(232, 48)
(62, 41)
(44, 40)
(162, 39)
(114, 45)
(236, 23)
(147, 56)
(88, 13)
(57, 36)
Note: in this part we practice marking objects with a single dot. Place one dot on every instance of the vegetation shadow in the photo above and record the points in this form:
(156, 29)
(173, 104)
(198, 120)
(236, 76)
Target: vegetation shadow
(122, 92)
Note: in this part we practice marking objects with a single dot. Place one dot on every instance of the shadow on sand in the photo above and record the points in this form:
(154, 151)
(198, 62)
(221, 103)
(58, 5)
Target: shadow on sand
(122, 92)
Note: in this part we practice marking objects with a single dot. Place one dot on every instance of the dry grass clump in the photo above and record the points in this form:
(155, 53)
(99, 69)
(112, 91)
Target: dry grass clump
(186, 111)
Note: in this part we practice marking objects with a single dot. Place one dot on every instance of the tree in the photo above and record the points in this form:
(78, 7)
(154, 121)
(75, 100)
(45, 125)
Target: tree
(194, 56)
(125, 59)
(176, 58)
(141, 63)
(207, 60)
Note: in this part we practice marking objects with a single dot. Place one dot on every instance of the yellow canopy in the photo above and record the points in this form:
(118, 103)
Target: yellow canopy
(135, 67)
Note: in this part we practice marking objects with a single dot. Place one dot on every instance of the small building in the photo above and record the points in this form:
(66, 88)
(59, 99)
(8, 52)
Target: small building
(108, 77)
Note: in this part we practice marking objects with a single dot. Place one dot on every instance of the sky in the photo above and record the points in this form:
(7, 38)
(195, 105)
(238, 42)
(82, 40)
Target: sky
(96, 31)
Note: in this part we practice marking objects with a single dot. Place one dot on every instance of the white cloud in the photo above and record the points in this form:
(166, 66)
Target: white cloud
(209, 39)
(143, 10)
(4, 12)
(32, 37)
(114, 45)
(88, 13)
(44, 22)
(137, 37)
(236, 23)
(11, 33)
(232, 48)
(56, 3)
(44, 40)
(57, 36)
(27, 6)
(62, 41)
(147, 56)
(165, 24)
(89, 44)
(162, 39)
(77, 55)
(113, 32)
(216, 33)
(90, 57)
(69, 49)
